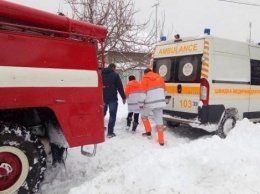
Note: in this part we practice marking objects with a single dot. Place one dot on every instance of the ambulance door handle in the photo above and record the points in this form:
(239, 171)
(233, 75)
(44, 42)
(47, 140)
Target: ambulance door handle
(179, 88)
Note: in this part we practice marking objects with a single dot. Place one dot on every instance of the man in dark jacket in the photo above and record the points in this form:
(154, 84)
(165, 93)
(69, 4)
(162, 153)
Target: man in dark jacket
(111, 84)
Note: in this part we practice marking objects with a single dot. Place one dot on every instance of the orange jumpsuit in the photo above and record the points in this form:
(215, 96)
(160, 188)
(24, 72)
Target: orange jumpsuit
(132, 94)
(152, 98)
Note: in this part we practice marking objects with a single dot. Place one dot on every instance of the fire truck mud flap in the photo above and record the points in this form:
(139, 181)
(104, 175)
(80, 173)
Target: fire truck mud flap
(89, 154)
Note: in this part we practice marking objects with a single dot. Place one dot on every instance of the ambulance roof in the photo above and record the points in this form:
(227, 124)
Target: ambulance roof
(191, 38)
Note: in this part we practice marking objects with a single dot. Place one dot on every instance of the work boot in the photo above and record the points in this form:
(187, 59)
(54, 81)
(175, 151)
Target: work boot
(147, 125)
(135, 124)
(162, 144)
(111, 135)
(147, 134)
(160, 134)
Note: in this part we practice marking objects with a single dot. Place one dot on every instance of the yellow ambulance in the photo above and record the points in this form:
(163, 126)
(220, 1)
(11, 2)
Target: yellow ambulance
(211, 82)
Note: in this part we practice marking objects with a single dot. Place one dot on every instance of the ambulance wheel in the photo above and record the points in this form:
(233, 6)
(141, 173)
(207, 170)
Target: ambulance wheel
(226, 126)
(229, 125)
(22, 161)
(172, 124)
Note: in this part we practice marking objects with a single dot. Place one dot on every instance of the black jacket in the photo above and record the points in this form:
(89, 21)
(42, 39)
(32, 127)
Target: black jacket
(111, 84)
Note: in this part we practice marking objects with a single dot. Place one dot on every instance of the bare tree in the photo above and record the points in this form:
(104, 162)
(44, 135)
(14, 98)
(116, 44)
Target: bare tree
(125, 36)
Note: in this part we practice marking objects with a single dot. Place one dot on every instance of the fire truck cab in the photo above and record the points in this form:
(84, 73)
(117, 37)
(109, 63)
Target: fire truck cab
(50, 91)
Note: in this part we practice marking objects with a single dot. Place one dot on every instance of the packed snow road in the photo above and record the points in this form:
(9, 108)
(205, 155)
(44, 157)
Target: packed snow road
(132, 164)
(111, 154)
(192, 161)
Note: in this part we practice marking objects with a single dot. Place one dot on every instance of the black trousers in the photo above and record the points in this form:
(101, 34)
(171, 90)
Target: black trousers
(136, 116)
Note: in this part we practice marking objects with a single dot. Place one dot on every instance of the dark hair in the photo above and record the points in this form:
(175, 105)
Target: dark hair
(112, 65)
(131, 77)
(147, 70)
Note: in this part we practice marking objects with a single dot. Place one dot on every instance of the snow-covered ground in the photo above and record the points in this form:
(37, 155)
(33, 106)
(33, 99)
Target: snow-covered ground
(132, 164)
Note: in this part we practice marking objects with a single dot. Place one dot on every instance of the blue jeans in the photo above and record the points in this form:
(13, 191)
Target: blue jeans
(112, 105)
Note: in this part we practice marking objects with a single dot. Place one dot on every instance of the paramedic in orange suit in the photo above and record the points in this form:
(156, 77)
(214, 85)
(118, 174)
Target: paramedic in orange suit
(132, 95)
(152, 98)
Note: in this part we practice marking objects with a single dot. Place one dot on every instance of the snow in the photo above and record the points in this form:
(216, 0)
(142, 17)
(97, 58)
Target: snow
(132, 164)
(206, 127)
(56, 136)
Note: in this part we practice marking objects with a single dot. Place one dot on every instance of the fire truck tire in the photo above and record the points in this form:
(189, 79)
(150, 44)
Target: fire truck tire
(22, 161)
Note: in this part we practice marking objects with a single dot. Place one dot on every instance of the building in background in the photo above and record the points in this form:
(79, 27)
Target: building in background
(128, 63)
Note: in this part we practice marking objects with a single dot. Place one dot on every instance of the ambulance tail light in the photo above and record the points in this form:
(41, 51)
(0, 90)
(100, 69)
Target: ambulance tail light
(204, 91)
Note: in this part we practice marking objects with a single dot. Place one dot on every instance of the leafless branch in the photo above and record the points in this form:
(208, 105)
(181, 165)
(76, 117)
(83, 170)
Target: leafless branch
(124, 34)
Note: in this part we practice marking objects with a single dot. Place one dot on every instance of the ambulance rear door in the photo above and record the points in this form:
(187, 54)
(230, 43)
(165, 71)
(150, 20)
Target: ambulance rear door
(180, 65)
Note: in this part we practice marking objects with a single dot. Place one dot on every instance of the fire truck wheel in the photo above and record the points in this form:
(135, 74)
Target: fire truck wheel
(22, 161)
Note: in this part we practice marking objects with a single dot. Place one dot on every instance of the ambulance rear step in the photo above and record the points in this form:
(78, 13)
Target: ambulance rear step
(180, 120)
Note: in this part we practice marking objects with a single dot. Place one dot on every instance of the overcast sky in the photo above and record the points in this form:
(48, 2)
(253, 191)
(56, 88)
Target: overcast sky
(188, 17)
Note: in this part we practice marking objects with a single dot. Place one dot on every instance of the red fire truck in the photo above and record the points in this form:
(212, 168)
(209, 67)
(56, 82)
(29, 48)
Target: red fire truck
(50, 92)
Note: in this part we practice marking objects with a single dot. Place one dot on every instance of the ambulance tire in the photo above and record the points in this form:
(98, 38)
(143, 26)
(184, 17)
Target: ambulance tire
(23, 155)
(227, 124)
(172, 124)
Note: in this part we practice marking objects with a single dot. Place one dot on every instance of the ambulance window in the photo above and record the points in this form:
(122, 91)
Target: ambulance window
(255, 72)
(189, 68)
(163, 68)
